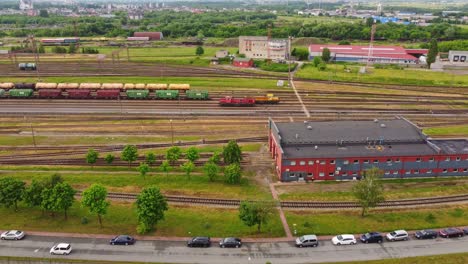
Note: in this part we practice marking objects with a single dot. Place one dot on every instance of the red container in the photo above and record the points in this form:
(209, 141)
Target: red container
(231, 101)
(111, 93)
(49, 93)
(79, 93)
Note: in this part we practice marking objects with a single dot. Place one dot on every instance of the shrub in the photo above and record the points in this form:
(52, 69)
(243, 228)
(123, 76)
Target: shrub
(84, 220)
(322, 66)
(430, 218)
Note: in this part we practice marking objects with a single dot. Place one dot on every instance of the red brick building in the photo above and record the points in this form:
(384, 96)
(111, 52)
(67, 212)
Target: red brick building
(243, 62)
(341, 150)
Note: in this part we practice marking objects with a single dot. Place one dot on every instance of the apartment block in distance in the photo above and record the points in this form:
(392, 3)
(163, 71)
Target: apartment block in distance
(255, 47)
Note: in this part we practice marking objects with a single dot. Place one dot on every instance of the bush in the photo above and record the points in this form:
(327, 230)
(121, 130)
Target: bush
(59, 50)
(316, 62)
(84, 220)
(273, 66)
(88, 50)
(457, 212)
(430, 218)
(322, 66)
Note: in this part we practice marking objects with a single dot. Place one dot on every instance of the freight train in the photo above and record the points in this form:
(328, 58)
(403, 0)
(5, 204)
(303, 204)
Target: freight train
(100, 91)
(249, 101)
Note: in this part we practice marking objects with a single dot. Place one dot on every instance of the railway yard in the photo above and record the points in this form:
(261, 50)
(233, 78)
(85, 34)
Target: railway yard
(43, 136)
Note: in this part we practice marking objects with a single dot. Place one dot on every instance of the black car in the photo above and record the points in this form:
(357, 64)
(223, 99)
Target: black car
(451, 232)
(425, 234)
(465, 230)
(199, 242)
(230, 242)
(122, 240)
(371, 237)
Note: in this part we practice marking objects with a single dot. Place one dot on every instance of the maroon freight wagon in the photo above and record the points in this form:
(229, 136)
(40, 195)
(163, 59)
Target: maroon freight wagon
(49, 93)
(105, 94)
(231, 101)
(79, 93)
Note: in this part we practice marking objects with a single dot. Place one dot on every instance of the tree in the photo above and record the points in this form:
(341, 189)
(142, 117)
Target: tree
(165, 167)
(173, 154)
(41, 49)
(317, 60)
(64, 196)
(255, 213)
(109, 158)
(232, 153)
(48, 202)
(95, 199)
(53, 180)
(326, 55)
(92, 156)
(216, 158)
(150, 158)
(432, 53)
(129, 154)
(232, 173)
(143, 169)
(369, 21)
(72, 49)
(301, 54)
(369, 190)
(199, 51)
(151, 206)
(32, 194)
(43, 13)
(192, 154)
(11, 192)
(187, 167)
(211, 170)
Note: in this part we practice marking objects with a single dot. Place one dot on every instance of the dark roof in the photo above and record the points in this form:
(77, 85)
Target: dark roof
(455, 146)
(335, 151)
(348, 132)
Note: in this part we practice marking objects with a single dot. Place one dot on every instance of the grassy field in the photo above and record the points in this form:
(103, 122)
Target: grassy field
(332, 223)
(390, 76)
(173, 184)
(121, 219)
(208, 83)
(461, 130)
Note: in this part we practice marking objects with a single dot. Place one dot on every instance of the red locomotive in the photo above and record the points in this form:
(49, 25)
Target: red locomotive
(231, 101)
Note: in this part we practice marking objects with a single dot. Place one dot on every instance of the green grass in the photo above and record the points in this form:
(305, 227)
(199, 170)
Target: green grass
(195, 82)
(332, 223)
(197, 185)
(459, 258)
(461, 130)
(387, 76)
(121, 218)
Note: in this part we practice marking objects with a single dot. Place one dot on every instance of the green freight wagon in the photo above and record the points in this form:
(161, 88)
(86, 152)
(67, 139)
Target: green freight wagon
(197, 95)
(2, 92)
(167, 94)
(137, 94)
(21, 92)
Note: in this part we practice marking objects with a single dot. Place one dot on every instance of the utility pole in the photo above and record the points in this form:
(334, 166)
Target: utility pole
(289, 60)
(371, 45)
(172, 133)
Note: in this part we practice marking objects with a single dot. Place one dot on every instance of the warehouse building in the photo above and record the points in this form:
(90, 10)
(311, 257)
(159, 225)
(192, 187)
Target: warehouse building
(458, 57)
(263, 48)
(149, 35)
(342, 150)
(379, 54)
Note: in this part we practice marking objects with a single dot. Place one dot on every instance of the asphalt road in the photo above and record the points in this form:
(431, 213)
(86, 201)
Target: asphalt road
(177, 252)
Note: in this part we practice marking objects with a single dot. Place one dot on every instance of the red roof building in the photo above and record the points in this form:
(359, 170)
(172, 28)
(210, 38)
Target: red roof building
(150, 35)
(379, 54)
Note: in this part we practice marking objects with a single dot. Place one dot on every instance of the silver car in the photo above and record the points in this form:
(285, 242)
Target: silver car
(12, 235)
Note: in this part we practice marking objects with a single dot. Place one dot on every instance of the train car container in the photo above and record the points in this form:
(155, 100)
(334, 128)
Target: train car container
(197, 95)
(21, 93)
(231, 101)
(268, 99)
(156, 86)
(79, 93)
(7, 86)
(112, 86)
(46, 86)
(25, 86)
(90, 86)
(27, 66)
(108, 93)
(167, 94)
(137, 94)
(65, 86)
(49, 93)
(2, 92)
(175, 86)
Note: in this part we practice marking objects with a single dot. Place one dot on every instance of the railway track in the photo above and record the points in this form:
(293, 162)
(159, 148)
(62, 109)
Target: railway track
(300, 204)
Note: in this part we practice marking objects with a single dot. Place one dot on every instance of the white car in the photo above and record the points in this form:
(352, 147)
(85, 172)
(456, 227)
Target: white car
(12, 235)
(344, 240)
(61, 249)
(397, 235)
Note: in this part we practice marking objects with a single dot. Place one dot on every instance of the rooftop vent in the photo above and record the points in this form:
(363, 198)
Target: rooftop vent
(297, 136)
(309, 127)
(316, 147)
(383, 125)
(376, 120)
(305, 121)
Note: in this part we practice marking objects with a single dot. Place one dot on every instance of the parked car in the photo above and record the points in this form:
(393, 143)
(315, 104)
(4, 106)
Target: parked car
(451, 232)
(230, 242)
(122, 240)
(307, 241)
(199, 242)
(12, 235)
(344, 240)
(465, 230)
(426, 234)
(397, 235)
(61, 249)
(371, 237)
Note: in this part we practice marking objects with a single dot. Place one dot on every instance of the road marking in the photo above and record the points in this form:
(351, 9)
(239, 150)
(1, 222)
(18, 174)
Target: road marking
(37, 250)
(304, 108)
